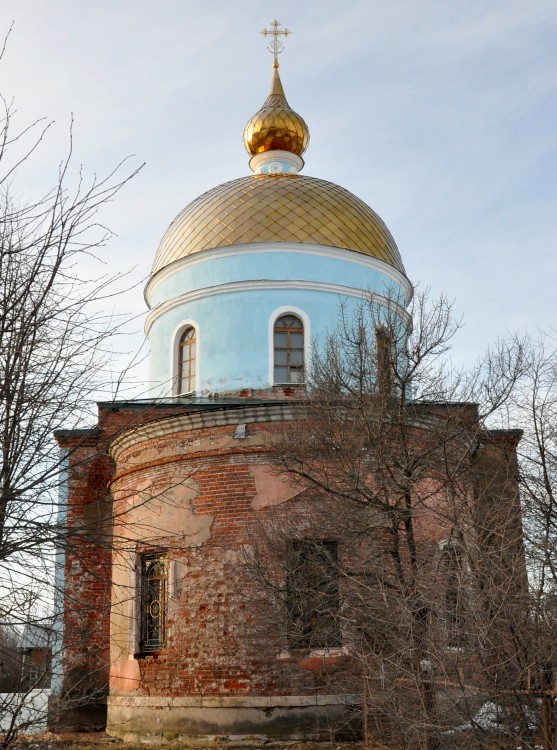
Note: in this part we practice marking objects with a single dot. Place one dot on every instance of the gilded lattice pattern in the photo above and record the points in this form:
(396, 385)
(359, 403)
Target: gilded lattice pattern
(276, 126)
(277, 208)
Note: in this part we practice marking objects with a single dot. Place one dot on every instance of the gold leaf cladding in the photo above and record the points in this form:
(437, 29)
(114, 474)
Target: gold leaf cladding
(276, 125)
(276, 128)
(277, 208)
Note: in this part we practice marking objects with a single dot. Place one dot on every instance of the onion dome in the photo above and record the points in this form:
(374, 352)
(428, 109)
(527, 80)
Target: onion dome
(276, 127)
(288, 208)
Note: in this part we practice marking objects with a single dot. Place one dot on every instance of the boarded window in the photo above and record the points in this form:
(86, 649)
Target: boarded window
(313, 594)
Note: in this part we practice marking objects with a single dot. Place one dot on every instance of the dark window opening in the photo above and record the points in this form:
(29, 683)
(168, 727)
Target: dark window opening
(313, 595)
(288, 342)
(453, 596)
(153, 590)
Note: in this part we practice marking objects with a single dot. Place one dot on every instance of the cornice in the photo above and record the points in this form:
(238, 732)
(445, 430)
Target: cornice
(198, 420)
(249, 286)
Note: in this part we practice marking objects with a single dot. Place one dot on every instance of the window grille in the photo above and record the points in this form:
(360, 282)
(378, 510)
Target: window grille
(154, 587)
(288, 342)
(187, 359)
(313, 594)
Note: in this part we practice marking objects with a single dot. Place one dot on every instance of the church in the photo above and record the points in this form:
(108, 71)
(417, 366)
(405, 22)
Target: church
(160, 619)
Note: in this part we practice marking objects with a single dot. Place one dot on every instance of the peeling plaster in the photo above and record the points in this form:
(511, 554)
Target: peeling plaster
(271, 488)
(167, 514)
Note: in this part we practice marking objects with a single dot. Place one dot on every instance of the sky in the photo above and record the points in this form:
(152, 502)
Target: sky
(442, 116)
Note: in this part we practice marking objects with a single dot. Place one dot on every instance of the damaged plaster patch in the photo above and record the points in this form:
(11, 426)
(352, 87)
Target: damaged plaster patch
(271, 488)
(168, 513)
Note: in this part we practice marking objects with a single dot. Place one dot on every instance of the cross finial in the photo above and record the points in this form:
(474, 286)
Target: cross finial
(275, 46)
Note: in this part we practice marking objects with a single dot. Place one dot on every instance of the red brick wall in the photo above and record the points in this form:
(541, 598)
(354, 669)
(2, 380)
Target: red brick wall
(226, 636)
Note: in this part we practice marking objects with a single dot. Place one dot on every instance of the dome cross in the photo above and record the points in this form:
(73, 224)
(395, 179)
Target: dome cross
(275, 46)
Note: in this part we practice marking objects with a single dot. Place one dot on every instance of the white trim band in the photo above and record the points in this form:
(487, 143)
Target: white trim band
(261, 248)
(254, 286)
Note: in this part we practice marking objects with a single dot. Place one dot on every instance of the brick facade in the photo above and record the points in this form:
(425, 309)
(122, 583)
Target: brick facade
(194, 482)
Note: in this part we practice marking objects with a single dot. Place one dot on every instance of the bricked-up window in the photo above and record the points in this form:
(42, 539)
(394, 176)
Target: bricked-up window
(313, 594)
(153, 596)
(454, 619)
(187, 357)
(384, 348)
(288, 342)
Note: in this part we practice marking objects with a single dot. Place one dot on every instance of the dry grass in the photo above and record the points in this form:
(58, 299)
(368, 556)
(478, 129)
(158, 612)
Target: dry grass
(101, 741)
(95, 741)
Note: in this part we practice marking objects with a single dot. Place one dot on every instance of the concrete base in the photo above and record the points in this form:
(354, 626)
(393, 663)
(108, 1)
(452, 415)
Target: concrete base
(134, 718)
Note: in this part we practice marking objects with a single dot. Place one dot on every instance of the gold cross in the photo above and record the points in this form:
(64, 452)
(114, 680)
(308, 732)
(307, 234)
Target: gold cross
(275, 46)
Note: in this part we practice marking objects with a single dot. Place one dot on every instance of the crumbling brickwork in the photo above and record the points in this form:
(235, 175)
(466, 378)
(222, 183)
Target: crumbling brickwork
(194, 483)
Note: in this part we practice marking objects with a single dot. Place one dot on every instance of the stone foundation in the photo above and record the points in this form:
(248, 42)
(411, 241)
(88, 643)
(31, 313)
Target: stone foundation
(134, 718)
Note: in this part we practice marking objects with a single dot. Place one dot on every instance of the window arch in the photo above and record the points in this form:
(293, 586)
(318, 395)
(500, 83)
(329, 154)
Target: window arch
(187, 360)
(288, 350)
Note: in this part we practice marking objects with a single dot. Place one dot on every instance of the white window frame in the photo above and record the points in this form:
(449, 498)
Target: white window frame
(275, 315)
(174, 361)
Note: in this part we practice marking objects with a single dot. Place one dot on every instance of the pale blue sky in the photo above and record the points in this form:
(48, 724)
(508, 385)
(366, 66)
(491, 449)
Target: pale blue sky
(441, 115)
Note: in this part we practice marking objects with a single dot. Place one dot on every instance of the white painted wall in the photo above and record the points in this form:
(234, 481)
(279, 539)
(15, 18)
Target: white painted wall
(26, 707)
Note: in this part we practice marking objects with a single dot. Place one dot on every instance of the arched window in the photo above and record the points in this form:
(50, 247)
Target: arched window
(288, 342)
(186, 361)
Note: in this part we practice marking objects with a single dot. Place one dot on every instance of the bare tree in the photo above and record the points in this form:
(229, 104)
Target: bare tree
(409, 482)
(534, 405)
(55, 335)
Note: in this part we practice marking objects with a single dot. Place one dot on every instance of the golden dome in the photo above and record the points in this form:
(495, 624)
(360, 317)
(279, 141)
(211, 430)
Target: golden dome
(277, 208)
(276, 126)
